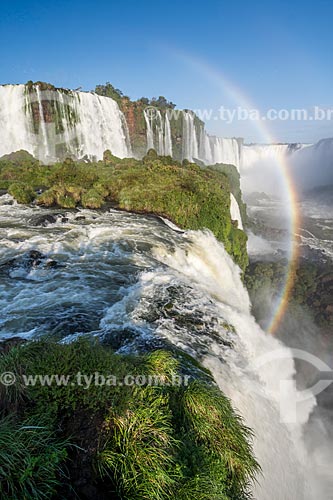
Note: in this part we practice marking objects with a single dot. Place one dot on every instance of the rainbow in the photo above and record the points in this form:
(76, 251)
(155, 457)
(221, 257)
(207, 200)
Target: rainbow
(221, 82)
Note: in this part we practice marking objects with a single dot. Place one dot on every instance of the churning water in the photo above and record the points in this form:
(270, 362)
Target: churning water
(141, 283)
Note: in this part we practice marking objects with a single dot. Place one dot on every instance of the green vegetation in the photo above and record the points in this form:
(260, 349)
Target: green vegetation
(234, 178)
(191, 197)
(124, 442)
(109, 90)
(312, 287)
(21, 192)
(31, 458)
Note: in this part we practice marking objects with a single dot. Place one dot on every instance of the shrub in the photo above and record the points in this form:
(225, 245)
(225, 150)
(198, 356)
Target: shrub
(21, 192)
(74, 192)
(66, 200)
(48, 198)
(92, 199)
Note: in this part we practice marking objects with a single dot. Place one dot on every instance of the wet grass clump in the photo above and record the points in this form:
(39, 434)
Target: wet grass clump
(137, 441)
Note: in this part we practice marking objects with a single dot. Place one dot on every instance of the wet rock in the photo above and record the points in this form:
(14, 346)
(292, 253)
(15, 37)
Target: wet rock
(7, 344)
(80, 217)
(64, 220)
(67, 321)
(28, 261)
(44, 220)
(52, 264)
(119, 338)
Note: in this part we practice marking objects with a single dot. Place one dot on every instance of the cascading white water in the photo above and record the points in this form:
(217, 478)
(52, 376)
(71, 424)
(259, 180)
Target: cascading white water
(65, 122)
(255, 393)
(225, 151)
(190, 141)
(196, 143)
(211, 149)
(158, 131)
(261, 166)
(117, 271)
(96, 123)
(150, 132)
(257, 153)
(90, 124)
(235, 212)
(15, 123)
(312, 165)
(100, 126)
(167, 136)
(44, 149)
(205, 150)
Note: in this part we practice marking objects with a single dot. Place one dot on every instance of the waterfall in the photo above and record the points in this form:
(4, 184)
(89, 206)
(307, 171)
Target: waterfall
(85, 124)
(158, 131)
(196, 143)
(189, 270)
(100, 126)
(167, 141)
(190, 141)
(214, 149)
(205, 150)
(44, 151)
(150, 133)
(82, 124)
(127, 136)
(218, 150)
(287, 471)
(255, 153)
(235, 212)
(90, 123)
(225, 151)
(261, 166)
(312, 165)
(15, 124)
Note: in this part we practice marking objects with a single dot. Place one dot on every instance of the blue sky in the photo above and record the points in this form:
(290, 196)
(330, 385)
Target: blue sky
(201, 55)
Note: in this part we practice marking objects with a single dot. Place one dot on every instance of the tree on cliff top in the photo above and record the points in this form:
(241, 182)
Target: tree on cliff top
(109, 90)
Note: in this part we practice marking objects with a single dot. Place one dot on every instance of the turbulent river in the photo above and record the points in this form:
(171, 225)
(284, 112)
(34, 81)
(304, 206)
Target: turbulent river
(140, 283)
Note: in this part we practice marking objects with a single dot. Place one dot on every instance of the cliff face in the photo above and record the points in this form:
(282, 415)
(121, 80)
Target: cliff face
(134, 115)
(53, 124)
(56, 124)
